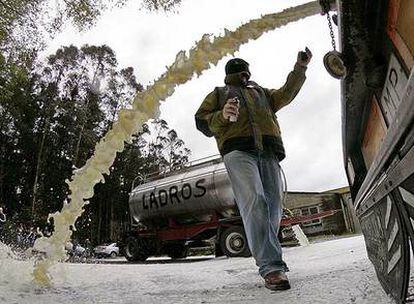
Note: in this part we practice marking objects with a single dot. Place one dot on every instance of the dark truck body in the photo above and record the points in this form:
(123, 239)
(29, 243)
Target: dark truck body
(377, 43)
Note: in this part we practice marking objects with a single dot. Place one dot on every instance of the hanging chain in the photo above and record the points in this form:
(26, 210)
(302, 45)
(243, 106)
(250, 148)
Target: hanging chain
(326, 7)
(331, 32)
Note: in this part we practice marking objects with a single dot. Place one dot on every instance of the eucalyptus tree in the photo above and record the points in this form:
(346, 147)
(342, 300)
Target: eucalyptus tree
(52, 113)
(28, 24)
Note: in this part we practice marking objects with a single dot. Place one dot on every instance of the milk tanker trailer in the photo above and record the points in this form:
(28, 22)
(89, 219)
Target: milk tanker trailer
(189, 208)
(170, 213)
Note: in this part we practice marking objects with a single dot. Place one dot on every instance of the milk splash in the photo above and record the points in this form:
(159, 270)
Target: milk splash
(209, 50)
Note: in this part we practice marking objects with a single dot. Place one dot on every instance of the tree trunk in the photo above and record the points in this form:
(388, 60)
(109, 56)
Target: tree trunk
(98, 231)
(76, 156)
(2, 172)
(3, 138)
(112, 222)
(107, 220)
(50, 107)
(38, 166)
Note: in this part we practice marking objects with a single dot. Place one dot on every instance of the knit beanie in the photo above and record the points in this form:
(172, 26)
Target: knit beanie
(237, 65)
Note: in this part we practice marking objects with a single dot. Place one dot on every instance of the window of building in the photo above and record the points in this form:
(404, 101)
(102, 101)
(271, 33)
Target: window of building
(309, 211)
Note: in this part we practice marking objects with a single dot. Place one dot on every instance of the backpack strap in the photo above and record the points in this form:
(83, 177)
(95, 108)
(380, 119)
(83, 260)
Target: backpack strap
(269, 100)
(266, 93)
(222, 94)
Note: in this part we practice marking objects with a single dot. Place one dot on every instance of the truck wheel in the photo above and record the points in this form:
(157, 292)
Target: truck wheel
(134, 250)
(233, 242)
(177, 251)
(113, 254)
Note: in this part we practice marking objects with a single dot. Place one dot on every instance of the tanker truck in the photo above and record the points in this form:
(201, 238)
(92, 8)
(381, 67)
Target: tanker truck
(175, 211)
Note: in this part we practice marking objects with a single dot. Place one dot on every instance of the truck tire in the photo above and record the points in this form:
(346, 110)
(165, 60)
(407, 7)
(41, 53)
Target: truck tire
(177, 251)
(134, 250)
(233, 242)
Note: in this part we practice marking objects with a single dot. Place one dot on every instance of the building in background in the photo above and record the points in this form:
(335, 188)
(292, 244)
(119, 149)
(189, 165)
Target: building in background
(338, 200)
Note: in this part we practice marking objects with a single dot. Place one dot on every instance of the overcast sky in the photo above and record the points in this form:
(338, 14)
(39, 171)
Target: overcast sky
(311, 126)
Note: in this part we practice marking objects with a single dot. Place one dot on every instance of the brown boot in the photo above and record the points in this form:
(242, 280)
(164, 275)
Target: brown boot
(277, 280)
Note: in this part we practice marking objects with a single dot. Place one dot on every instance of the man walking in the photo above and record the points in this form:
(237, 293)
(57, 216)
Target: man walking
(241, 117)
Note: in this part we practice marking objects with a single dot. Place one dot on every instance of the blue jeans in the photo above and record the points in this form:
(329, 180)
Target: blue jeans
(257, 186)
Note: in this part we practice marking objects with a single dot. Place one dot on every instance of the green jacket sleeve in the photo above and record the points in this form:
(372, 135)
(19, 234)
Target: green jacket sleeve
(284, 95)
(209, 118)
